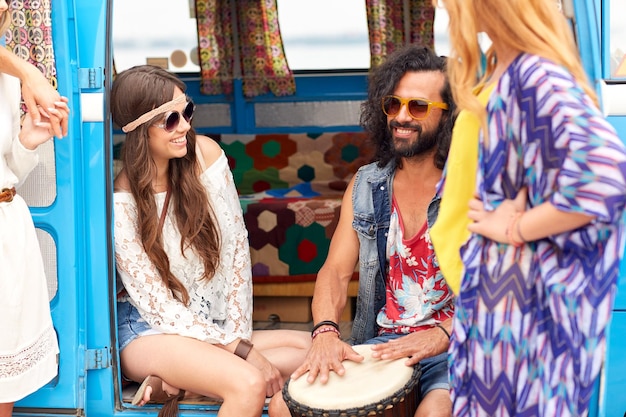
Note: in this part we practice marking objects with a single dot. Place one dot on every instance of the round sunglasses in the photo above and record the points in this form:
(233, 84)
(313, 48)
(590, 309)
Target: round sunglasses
(418, 107)
(172, 118)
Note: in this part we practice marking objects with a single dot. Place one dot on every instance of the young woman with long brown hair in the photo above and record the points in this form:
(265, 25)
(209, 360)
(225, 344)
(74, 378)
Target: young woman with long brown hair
(185, 311)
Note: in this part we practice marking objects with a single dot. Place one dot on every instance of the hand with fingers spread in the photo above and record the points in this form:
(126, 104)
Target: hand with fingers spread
(326, 354)
(494, 224)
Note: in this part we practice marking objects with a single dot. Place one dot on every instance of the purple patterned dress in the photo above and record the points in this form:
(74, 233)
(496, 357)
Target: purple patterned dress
(530, 322)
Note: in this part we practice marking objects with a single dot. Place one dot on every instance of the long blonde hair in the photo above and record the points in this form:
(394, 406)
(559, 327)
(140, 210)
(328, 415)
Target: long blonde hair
(533, 26)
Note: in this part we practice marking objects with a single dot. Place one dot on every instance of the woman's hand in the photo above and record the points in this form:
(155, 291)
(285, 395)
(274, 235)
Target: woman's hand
(31, 135)
(41, 99)
(273, 378)
(493, 224)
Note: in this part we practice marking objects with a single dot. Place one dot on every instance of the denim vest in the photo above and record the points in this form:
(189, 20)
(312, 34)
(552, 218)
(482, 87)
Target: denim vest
(371, 204)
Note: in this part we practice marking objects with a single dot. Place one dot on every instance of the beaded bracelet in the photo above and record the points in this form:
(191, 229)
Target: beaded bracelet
(325, 323)
(325, 330)
(510, 228)
(519, 229)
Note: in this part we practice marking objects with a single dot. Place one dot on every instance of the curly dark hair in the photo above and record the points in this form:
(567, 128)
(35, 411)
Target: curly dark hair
(383, 81)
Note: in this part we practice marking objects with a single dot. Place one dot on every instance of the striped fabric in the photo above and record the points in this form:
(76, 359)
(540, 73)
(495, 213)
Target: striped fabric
(529, 329)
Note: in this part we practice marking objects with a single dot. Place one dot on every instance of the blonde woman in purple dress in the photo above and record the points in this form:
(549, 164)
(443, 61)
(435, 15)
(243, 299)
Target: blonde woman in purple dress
(542, 261)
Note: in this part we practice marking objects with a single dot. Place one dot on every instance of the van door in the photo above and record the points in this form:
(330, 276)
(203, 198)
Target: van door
(67, 195)
(603, 45)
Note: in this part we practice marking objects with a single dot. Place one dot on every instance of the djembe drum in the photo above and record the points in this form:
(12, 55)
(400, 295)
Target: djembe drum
(372, 387)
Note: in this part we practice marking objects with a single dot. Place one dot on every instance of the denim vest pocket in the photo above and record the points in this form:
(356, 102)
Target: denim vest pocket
(364, 225)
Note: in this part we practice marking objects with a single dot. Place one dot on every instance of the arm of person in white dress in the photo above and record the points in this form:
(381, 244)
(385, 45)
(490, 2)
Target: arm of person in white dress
(26, 138)
(46, 106)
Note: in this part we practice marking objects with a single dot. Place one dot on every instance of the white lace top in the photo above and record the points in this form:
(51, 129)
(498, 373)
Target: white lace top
(220, 310)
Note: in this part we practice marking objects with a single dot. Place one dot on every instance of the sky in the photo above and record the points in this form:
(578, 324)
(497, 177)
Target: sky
(141, 29)
(618, 24)
(342, 34)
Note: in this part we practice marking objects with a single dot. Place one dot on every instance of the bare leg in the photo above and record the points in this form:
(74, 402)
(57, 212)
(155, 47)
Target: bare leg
(198, 367)
(285, 349)
(436, 403)
(6, 409)
(278, 406)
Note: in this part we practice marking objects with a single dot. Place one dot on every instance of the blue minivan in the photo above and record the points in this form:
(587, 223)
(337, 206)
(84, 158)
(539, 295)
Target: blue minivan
(70, 192)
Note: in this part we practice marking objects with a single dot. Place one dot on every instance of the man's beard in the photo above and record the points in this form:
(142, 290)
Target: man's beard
(426, 141)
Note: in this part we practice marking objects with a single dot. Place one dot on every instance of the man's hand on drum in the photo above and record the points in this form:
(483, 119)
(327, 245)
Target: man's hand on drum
(273, 379)
(416, 346)
(327, 353)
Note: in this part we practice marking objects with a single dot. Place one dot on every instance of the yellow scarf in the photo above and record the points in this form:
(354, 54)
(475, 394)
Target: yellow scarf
(450, 232)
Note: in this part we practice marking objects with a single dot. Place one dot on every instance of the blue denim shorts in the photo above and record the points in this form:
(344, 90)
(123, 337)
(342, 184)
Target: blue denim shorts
(434, 370)
(130, 325)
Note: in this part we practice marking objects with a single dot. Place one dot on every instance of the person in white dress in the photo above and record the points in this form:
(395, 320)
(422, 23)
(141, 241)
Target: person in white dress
(28, 345)
(181, 247)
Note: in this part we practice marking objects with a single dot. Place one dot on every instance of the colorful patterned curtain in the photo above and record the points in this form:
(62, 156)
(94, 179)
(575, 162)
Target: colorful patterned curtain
(389, 28)
(30, 35)
(215, 45)
(259, 59)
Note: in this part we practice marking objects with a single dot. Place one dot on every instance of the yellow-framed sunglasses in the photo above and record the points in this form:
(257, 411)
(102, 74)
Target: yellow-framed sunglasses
(418, 108)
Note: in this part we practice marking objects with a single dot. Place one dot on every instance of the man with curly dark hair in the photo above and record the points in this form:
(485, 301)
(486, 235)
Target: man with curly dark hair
(404, 307)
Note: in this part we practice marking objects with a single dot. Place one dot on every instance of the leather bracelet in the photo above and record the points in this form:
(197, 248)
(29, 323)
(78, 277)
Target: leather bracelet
(325, 323)
(325, 330)
(243, 349)
(443, 330)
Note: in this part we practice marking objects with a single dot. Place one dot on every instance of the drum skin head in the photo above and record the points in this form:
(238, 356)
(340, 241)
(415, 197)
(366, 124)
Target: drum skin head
(372, 381)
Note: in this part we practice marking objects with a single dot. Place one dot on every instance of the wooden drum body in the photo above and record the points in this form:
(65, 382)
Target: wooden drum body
(372, 387)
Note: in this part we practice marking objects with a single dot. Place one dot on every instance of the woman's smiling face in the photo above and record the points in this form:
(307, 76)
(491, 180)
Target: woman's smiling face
(166, 145)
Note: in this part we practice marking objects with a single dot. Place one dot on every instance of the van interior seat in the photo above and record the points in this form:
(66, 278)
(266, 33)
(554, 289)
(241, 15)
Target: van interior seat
(290, 187)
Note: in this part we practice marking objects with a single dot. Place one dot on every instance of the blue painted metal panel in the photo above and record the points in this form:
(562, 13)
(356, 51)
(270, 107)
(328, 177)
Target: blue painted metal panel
(309, 87)
(97, 195)
(620, 302)
(613, 400)
(588, 36)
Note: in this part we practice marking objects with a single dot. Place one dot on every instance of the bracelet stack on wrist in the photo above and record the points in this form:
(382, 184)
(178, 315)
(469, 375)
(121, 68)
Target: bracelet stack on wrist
(511, 228)
(325, 330)
(325, 326)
